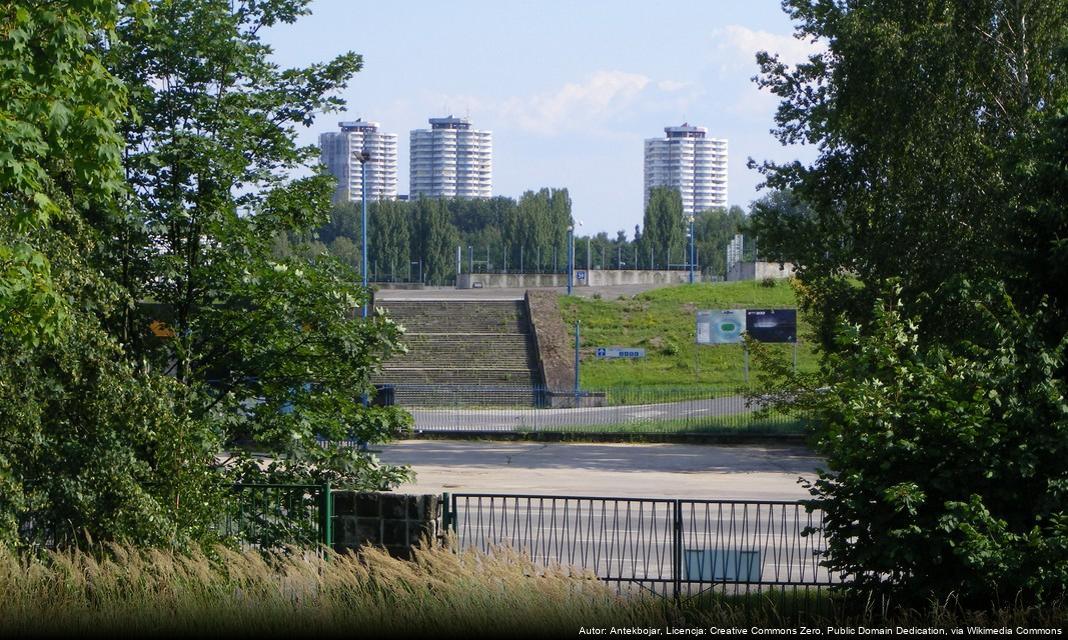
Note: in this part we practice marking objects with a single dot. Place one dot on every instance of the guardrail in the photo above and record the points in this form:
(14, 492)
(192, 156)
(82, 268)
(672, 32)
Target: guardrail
(522, 408)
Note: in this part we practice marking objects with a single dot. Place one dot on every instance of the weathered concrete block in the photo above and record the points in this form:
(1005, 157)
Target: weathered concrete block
(394, 521)
(368, 505)
(344, 503)
(368, 531)
(394, 506)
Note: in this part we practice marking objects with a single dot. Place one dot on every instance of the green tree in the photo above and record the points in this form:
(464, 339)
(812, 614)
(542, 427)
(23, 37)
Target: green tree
(714, 229)
(266, 349)
(344, 221)
(60, 149)
(663, 228)
(389, 237)
(940, 398)
(88, 445)
(434, 240)
(533, 230)
(559, 220)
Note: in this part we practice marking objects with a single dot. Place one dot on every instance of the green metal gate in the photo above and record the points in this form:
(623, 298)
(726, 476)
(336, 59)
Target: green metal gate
(268, 516)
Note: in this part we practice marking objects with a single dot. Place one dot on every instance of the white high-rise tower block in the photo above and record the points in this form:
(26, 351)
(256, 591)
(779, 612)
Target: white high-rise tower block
(451, 160)
(340, 152)
(687, 160)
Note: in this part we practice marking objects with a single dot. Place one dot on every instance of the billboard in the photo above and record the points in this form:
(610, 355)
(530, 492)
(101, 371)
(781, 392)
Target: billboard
(771, 325)
(720, 326)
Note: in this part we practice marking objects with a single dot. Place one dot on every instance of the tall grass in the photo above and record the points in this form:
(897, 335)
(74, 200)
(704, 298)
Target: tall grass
(127, 591)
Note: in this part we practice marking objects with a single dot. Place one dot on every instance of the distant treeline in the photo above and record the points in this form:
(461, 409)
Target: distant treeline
(417, 240)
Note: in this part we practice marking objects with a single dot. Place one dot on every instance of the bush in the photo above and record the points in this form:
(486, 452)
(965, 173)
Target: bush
(670, 349)
(768, 283)
(948, 464)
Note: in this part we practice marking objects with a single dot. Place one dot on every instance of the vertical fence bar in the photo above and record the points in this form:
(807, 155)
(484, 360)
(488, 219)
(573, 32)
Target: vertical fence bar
(445, 514)
(326, 509)
(676, 556)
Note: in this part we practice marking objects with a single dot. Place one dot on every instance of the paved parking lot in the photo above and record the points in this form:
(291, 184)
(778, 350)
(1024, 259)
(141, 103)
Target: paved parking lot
(753, 472)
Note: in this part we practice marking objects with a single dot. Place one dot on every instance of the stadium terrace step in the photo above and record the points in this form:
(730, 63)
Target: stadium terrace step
(462, 353)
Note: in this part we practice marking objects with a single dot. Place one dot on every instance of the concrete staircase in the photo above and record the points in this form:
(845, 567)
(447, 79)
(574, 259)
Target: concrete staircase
(462, 353)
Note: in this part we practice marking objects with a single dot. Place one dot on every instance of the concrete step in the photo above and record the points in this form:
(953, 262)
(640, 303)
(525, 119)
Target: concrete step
(447, 396)
(470, 344)
(489, 317)
(431, 376)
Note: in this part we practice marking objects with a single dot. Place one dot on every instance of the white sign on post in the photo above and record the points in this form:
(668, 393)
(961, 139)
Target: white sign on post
(720, 326)
(620, 352)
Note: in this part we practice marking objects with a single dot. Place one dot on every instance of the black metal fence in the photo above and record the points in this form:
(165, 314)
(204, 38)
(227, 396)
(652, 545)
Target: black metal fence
(674, 548)
(644, 410)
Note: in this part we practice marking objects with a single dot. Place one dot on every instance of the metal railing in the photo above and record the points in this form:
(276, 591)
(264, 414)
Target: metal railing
(642, 410)
(674, 548)
(265, 516)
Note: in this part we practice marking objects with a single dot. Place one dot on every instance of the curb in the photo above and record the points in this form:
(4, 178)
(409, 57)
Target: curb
(559, 436)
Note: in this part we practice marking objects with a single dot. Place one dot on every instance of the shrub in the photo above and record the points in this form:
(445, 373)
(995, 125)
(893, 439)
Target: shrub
(948, 463)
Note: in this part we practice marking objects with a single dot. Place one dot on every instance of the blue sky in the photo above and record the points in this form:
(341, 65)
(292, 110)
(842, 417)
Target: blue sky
(569, 89)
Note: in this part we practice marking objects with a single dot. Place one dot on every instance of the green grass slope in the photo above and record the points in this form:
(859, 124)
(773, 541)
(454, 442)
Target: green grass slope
(663, 322)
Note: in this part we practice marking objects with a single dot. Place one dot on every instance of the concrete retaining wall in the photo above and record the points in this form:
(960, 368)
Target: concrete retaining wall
(759, 271)
(550, 340)
(395, 521)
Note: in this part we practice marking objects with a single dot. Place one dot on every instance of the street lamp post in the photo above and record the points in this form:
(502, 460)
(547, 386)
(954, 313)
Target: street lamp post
(571, 256)
(570, 269)
(691, 248)
(364, 158)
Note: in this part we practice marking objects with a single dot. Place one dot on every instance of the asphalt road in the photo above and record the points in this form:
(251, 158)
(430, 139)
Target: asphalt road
(630, 538)
(648, 470)
(512, 419)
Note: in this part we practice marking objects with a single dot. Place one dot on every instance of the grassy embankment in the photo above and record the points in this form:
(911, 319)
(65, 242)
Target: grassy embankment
(663, 322)
(675, 368)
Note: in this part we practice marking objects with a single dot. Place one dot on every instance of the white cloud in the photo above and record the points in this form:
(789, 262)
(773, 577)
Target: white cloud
(671, 86)
(737, 47)
(602, 95)
(742, 43)
(594, 105)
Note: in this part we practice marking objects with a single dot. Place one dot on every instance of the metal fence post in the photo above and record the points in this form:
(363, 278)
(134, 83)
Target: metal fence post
(446, 513)
(326, 513)
(676, 556)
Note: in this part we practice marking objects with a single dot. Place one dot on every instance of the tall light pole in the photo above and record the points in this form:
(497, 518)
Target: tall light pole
(570, 271)
(691, 248)
(364, 158)
(571, 255)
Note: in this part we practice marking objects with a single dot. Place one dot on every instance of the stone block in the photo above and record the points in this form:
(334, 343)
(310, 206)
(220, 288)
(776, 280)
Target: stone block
(368, 531)
(394, 506)
(344, 503)
(368, 505)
